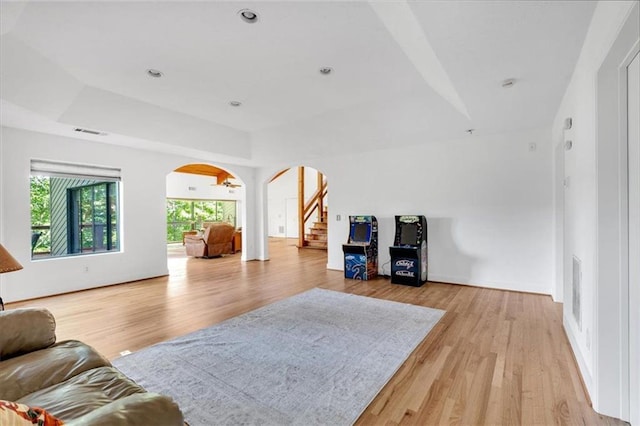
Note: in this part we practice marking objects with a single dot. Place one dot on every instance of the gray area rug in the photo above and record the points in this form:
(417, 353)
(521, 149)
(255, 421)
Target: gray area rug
(316, 358)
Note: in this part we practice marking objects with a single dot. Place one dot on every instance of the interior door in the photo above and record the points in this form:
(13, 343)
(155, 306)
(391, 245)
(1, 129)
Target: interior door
(633, 123)
(291, 218)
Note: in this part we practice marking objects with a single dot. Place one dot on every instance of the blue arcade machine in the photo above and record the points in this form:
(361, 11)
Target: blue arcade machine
(409, 251)
(361, 250)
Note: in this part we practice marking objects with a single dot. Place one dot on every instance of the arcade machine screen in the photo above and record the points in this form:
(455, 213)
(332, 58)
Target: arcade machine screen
(361, 233)
(409, 234)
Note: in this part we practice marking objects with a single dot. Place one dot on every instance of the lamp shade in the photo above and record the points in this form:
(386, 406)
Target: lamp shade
(7, 262)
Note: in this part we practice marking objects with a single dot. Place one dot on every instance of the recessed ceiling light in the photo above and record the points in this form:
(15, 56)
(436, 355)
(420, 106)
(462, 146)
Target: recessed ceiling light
(508, 82)
(326, 70)
(235, 103)
(248, 16)
(154, 73)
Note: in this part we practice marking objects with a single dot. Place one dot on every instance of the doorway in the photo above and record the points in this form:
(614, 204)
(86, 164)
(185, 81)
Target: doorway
(198, 195)
(297, 208)
(291, 218)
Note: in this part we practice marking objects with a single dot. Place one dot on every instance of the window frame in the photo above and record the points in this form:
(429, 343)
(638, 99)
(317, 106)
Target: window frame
(68, 241)
(193, 222)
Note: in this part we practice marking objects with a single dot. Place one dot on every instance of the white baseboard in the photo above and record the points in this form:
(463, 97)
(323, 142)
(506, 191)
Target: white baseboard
(582, 365)
(512, 286)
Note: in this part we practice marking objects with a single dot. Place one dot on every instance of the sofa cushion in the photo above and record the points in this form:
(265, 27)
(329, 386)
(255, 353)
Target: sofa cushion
(25, 330)
(140, 409)
(83, 393)
(14, 414)
(33, 371)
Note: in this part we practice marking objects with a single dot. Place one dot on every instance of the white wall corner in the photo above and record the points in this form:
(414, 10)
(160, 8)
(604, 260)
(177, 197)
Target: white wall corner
(557, 292)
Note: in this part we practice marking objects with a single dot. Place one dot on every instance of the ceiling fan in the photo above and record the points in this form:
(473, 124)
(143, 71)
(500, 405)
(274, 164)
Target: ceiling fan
(226, 183)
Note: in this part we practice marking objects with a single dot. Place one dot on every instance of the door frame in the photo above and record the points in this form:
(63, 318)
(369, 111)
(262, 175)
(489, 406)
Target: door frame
(611, 298)
(632, 163)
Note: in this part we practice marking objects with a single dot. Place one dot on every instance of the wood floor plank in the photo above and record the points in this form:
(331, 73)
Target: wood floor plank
(496, 357)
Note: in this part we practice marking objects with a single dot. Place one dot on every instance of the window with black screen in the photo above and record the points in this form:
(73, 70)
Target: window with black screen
(361, 233)
(409, 234)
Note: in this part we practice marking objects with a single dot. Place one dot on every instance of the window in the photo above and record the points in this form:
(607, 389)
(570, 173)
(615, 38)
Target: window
(187, 215)
(75, 209)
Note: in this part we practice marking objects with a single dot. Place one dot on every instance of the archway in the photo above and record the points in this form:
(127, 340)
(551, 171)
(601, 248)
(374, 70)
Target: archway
(197, 195)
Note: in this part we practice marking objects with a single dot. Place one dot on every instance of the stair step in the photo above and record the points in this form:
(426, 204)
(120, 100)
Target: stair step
(318, 231)
(316, 244)
(315, 248)
(316, 237)
(322, 225)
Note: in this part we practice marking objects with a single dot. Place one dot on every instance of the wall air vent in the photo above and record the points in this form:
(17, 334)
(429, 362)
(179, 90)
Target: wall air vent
(576, 284)
(89, 131)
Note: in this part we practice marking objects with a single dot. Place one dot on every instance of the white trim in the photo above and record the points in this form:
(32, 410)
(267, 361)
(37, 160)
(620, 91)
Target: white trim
(582, 364)
(630, 354)
(517, 286)
(611, 314)
(625, 318)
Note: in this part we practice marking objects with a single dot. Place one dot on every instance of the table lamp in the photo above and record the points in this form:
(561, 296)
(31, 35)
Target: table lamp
(7, 264)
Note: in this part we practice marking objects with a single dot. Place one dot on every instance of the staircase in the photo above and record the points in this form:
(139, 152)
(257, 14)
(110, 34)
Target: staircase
(317, 236)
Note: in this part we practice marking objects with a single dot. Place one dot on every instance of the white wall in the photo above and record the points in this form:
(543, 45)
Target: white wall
(488, 202)
(143, 218)
(596, 343)
(199, 187)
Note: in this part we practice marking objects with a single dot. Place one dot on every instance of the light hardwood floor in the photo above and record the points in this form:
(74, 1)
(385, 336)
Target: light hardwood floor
(496, 357)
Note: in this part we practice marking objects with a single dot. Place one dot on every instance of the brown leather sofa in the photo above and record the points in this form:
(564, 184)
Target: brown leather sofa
(69, 379)
(215, 241)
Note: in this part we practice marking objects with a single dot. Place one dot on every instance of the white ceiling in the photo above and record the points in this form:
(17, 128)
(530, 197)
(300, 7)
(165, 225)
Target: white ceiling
(405, 72)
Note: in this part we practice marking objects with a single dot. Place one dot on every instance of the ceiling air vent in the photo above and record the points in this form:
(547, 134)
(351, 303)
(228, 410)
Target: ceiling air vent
(89, 131)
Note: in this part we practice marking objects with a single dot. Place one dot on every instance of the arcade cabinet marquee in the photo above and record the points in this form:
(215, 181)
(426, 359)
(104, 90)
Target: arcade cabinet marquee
(361, 250)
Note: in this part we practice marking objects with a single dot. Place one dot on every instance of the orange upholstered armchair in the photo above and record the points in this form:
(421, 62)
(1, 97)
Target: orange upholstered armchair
(215, 241)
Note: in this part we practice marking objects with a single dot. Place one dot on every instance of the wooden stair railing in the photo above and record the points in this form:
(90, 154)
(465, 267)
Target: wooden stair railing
(316, 203)
(317, 236)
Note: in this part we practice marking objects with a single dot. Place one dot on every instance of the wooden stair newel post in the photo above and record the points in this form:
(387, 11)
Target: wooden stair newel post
(320, 199)
(301, 206)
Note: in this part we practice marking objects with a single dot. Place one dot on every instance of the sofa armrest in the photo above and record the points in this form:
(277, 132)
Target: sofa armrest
(139, 409)
(25, 330)
(193, 238)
